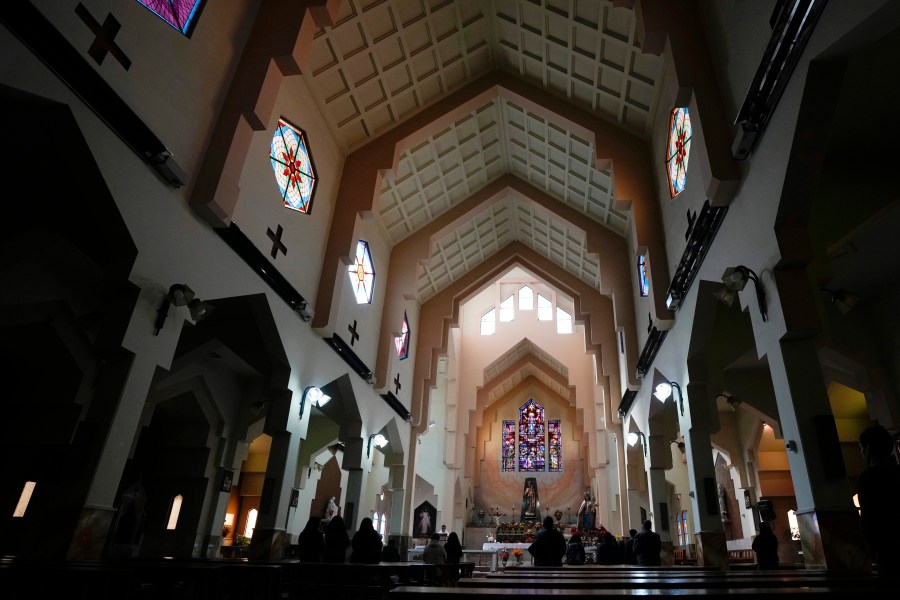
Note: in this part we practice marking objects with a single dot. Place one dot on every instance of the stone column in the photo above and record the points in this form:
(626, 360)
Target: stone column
(829, 524)
(659, 501)
(397, 513)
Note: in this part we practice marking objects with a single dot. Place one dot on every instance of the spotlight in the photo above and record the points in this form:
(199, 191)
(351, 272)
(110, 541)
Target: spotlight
(734, 280)
(664, 390)
(843, 300)
(379, 440)
(181, 295)
(314, 395)
(633, 438)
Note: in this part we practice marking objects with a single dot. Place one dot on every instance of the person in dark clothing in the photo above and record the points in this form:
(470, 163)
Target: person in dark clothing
(550, 547)
(336, 541)
(766, 547)
(310, 543)
(628, 549)
(608, 551)
(647, 546)
(575, 551)
(366, 544)
(453, 548)
(878, 488)
(390, 553)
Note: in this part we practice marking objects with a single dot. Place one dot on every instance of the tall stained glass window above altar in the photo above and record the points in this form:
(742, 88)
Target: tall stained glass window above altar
(532, 445)
(508, 446)
(293, 166)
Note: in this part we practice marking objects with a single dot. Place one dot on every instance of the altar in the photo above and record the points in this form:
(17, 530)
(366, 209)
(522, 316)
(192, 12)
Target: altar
(496, 547)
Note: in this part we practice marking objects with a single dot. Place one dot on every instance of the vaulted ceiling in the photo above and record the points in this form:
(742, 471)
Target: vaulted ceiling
(383, 62)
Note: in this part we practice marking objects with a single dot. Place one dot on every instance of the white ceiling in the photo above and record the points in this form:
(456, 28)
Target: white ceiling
(524, 348)
(386, 60)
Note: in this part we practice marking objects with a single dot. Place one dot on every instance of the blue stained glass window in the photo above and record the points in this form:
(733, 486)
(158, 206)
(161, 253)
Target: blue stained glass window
(294, 170)
(554, 429)
(180, 14)
(678, 150)
(362, 274)
(643, 280)
(531, 437)
(402, 341)
(508, 447)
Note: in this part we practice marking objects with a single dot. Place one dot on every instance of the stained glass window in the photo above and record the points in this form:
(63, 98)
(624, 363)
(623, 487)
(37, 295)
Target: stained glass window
(678, 150)
(180, 14)
(643, 280)
(362, 274)
(402, 341)
(508, 447)
(489, 322)
(554, 429)
(531, 437)
(679, 526)
(294, 170)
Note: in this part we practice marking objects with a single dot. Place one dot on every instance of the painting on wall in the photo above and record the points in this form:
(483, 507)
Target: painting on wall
(425, 516)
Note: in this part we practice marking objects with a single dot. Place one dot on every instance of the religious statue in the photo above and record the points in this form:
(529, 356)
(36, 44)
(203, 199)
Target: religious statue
(723, 504)
(587, 513)
(529, 500)
(331, 510)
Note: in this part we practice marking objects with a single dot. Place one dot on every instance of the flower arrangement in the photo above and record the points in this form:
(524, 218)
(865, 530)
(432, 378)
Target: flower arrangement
(517, 552)
(504, 556)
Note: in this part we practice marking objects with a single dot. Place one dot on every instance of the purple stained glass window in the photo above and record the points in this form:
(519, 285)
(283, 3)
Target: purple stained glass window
(293, 166)
(180, 14)
(402, 341)
(643, 280)
(508, 447)
(554, 429)
(531, 437)
(679, 148)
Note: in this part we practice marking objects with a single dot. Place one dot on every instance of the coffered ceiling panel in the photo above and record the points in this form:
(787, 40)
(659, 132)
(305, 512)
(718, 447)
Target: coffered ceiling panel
(386, 60)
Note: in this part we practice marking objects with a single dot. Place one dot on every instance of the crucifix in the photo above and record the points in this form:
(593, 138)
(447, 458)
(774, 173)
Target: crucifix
(353, 334)
(277, 244)
(397, 383)
(103, 42)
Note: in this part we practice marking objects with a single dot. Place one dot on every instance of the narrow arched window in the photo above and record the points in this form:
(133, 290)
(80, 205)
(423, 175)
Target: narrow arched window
(508, 446)
(174, 511)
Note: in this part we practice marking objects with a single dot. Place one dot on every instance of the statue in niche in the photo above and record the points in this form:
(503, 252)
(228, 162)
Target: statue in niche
(723, 504)
(530, 502)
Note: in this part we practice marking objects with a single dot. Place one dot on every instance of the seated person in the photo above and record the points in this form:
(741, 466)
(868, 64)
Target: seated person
(549, 546)
(575, 551)
(608, 550)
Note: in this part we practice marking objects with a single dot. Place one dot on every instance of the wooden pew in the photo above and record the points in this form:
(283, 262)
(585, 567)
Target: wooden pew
(356, 580)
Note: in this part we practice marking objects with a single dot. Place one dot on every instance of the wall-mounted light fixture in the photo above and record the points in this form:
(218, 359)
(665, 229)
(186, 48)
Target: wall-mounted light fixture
(379, 440)
(664, 390)
(633, 438)
(181, 295)
(304, 311)
(734, 280)
(791, 445)
(843, 300)
(680, 444)
(316, 396)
